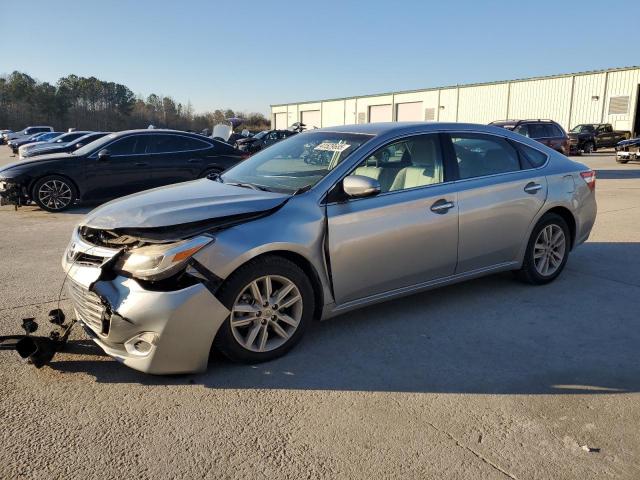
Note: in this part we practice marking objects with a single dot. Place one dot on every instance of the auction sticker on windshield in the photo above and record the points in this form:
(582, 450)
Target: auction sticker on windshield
(332, 147)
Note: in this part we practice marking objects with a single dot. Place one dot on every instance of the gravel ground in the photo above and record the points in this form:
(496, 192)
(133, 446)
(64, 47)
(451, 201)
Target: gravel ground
(487, 379)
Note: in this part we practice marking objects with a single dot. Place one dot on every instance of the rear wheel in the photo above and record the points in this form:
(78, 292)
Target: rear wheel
(547, 251)
(271, 303)
(54, 193)
(619, 160)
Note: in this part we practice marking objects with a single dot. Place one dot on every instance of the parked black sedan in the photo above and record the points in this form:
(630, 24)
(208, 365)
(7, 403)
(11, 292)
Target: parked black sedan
(115, 165)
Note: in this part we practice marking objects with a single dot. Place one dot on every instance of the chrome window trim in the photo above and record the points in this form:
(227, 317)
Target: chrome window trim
(449, 182)
(94, 155)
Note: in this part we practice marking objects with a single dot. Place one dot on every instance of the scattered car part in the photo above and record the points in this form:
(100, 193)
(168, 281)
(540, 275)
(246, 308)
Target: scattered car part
(39, 350)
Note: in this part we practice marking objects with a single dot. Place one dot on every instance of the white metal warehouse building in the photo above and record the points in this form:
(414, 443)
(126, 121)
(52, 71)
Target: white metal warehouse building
(605, 96)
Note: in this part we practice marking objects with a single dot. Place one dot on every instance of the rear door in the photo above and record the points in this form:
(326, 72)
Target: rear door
(175, 158)
(404, 236)
(125, 171)
(498, 198)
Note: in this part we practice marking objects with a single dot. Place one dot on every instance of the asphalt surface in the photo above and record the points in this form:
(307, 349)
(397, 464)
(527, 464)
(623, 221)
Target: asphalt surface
(486, 379)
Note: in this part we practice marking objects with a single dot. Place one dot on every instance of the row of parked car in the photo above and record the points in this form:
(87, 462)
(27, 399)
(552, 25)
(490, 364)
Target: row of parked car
(583, 138)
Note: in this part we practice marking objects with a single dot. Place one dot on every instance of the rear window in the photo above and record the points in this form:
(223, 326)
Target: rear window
(534, 158)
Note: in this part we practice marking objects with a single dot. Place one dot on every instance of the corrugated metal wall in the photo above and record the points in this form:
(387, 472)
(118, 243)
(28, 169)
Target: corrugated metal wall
(567, 99)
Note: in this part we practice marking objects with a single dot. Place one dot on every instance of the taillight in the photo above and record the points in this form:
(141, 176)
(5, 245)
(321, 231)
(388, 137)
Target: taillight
(590, 179)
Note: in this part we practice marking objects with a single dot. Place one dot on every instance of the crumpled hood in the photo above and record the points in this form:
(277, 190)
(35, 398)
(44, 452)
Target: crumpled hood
(181, 203)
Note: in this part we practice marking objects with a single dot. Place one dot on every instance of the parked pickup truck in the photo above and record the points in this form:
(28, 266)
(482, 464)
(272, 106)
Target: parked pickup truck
(588, 137)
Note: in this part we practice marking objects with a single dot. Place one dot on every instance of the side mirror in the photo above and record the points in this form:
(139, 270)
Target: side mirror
(103, 154)
(359, 186)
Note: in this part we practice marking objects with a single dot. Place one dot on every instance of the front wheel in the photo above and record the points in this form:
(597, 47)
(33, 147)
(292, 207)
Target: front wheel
(621, 161)
(547, 251)
(271, 303)
(54, 193)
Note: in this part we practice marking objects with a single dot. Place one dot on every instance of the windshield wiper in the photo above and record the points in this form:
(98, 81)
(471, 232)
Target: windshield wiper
(301, 190)
(250, 185)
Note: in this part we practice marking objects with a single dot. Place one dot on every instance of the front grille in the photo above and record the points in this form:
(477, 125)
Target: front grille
(89, 308)
(86, 259)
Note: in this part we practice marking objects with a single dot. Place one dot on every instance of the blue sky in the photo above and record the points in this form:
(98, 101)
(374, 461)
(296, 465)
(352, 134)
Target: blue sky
(247, 55)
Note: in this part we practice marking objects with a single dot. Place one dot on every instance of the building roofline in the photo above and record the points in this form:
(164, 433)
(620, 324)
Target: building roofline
(466, 85)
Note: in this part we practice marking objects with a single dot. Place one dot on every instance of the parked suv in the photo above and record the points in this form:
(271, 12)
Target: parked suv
(547, 132)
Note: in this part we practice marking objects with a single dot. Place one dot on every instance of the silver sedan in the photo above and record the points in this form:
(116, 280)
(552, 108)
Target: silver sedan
(319, 224)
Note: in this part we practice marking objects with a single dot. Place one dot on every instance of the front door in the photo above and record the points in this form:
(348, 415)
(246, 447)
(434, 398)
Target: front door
(126, 170)
(404, 236)
(498, 198)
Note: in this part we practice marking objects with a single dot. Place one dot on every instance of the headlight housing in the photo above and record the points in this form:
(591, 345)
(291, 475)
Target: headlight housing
(156, 262)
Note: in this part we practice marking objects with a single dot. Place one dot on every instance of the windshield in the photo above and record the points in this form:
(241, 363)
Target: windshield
(94, 146)
(299, 162)
(583, 129)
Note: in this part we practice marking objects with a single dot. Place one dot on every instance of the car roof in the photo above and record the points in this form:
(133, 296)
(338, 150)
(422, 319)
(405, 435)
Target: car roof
(384, 128)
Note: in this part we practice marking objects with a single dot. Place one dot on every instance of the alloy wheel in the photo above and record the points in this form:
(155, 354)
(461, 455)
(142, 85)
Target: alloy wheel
(55, 194)
(549, 250)
(266, 313)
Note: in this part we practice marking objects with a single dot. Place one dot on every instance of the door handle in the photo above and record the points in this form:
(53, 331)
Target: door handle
(141, 164)
(441, 206)
(194, 160)
(532, 188)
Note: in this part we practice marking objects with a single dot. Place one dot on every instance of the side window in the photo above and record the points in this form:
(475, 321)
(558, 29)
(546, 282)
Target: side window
(194, 144)
(537, 130)
(131, 145)
(522, 130)
(410, 163)
(534, 158)
(557, 131)
(479, 155)
(165, 144)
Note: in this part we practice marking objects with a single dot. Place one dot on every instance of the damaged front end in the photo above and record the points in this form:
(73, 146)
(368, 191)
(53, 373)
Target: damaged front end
(144, 301)
(12, 193)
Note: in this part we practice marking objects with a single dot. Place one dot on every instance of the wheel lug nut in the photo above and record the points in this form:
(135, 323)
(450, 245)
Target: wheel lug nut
(258, 314)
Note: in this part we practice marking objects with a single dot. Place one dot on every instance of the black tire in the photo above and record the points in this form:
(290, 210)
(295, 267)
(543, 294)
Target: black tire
(66, 197)
(621, 161)
(529, 273)
(588, 148)
(226, 342)
(211, 171)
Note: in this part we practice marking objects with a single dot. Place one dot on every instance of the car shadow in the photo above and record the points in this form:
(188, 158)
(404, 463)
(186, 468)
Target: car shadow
(493, 335)
(620, 174)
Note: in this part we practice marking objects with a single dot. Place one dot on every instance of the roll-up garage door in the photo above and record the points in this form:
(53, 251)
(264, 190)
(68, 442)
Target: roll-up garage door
(380, 113)
(409, 112)
(281, 121)
(311, 118)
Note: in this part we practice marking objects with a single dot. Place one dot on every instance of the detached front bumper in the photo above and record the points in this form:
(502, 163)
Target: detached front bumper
(12, 193)
(158, 332)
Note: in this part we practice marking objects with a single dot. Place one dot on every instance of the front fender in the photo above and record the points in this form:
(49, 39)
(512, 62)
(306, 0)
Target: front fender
(298, 227)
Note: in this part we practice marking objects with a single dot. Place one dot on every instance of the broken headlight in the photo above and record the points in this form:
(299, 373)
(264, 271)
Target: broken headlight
(156, 262)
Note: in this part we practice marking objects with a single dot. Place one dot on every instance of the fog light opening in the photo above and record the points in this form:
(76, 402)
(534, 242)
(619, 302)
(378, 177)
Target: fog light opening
(141, 344)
